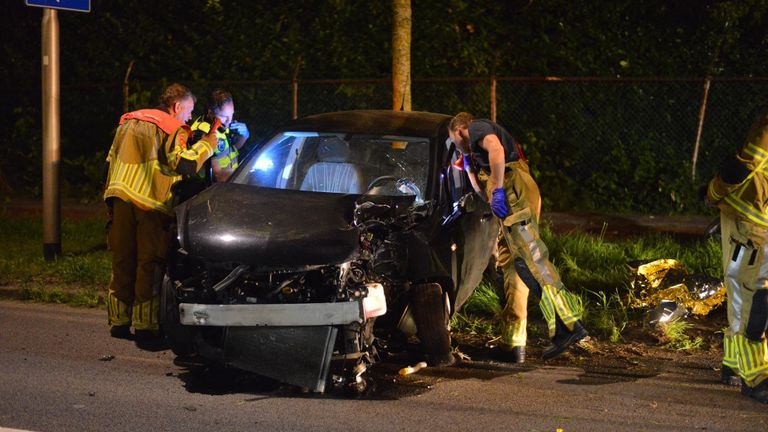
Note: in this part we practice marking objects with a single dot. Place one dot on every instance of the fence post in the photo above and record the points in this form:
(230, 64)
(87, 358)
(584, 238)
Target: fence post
(702, 111)
(493, 98)
(125, 87)
(295, 90)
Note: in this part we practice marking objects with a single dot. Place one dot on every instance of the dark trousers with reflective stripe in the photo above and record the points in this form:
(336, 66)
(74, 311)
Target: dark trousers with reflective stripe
(139, 242)
(745, 266)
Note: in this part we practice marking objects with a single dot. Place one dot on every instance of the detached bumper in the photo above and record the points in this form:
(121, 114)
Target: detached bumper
(283, 315)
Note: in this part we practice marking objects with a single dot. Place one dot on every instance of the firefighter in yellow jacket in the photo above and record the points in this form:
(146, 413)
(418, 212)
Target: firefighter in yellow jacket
(149, 153)
(495, 167)
(740, 190)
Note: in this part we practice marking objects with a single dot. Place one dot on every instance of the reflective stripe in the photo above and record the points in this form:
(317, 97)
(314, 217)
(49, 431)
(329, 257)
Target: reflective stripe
(146, 202)
(746, 209)
(224, 161)
(712, 193)
(118, 313)
(145, 314)
(729, 353)
(756, 152)
(752, 359)
(514, 334)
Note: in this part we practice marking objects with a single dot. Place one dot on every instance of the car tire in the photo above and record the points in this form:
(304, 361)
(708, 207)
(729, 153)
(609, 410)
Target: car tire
(179, 337)
(431, 317)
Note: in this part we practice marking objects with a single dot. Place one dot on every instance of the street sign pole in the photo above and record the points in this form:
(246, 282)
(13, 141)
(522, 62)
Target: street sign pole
(51, 136)
(52, 120)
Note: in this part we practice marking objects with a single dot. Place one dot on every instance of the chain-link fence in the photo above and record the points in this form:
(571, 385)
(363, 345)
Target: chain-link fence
(595, 144)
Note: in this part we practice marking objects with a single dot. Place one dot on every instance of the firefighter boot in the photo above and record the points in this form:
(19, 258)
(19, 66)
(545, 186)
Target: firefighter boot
(512, 344)
(758, 392)
(729, 376)
(515, 354)
(120, 331)
(563, 338)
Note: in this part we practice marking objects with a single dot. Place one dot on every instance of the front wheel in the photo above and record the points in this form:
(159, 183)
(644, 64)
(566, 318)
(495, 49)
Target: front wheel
(431, 317)
(179, 337)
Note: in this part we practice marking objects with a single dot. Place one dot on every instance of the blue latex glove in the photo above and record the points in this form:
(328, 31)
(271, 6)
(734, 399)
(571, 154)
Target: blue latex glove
(240, 128)
(466, 160)
(499, 203)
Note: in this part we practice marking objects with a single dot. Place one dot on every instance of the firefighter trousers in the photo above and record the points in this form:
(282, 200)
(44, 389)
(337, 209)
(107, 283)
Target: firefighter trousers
(745, 266)
(139, 242)
(524, 259)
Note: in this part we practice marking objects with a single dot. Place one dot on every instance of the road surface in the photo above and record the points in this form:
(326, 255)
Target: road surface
(60, 371)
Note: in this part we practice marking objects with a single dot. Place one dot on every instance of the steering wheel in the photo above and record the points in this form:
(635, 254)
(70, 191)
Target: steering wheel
(404, 185)
(383, 179)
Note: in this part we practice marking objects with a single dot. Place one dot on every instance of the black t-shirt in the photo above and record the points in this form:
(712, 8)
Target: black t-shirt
(479, 129)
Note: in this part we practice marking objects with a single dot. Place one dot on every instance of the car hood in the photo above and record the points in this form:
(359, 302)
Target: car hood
(266, 227)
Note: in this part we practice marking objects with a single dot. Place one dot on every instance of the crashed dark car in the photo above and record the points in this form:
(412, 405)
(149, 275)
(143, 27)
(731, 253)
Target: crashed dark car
(344, 232)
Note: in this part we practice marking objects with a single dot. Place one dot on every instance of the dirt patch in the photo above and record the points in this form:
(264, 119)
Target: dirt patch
(641, 352)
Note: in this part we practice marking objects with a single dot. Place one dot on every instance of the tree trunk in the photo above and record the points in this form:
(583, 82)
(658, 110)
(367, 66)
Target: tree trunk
(401, 55)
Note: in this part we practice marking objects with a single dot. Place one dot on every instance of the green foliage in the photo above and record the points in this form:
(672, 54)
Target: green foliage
(608, 315)
(81, 297)
(674, 333)
(85, 262)
(474, 325)
(484, 301)
(595, 270)
(594, 146)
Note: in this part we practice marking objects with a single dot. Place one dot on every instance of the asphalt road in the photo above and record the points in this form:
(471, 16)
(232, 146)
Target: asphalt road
(60, 371)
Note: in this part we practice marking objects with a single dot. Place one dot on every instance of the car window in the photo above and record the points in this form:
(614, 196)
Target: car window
(340, 163)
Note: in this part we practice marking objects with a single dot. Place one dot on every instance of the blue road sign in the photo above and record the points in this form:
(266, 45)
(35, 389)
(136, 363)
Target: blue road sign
(73, 5)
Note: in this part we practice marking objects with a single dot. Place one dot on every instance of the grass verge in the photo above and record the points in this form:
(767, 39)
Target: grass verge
(596, 271)
(78, 277)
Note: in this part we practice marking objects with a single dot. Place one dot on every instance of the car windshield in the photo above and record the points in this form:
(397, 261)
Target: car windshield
(340, 163)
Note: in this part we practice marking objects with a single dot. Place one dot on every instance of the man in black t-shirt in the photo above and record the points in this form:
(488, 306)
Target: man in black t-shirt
(495, 166)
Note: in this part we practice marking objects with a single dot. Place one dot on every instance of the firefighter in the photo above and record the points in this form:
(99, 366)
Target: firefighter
(740, 191)
(495, 167)
(230, 138)
(148, 154)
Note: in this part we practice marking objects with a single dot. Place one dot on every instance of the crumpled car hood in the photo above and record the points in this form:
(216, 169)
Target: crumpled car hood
(268, 227)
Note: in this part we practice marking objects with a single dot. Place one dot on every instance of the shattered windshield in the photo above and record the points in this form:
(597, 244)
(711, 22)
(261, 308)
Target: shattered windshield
(340, 163)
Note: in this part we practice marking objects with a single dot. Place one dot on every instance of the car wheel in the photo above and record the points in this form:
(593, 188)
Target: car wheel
(431, 317)
(179, 337)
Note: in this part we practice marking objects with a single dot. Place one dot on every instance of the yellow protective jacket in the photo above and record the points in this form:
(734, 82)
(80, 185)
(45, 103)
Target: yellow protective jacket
(148, 155)
(224, 154)
(742, 188)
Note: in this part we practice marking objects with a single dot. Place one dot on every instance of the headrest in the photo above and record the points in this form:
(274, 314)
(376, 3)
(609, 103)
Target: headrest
(333, 150)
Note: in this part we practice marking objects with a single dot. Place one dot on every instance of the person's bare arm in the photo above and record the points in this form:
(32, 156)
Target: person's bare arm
(495, 150)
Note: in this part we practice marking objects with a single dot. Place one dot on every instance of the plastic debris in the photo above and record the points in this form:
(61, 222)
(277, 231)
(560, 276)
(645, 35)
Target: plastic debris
(412, 369)
(666, 312)
(666, 286)
(106, 357)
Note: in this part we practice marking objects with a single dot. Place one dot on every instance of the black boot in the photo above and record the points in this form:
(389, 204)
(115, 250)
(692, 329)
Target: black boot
(120, 331)
(758, 392)
(729, 377)
(150, 340)
(564, 338)
(515, 354)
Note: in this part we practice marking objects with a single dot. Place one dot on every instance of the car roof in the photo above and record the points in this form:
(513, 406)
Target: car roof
(404, 123)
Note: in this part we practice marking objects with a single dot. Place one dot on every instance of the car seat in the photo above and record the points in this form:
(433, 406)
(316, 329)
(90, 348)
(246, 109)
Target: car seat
(332, 172)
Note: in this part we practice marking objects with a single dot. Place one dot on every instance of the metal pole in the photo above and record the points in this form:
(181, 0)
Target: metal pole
(493, 99)
(295, 90)
(702, 111)
(126, 87)
(51, 134)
